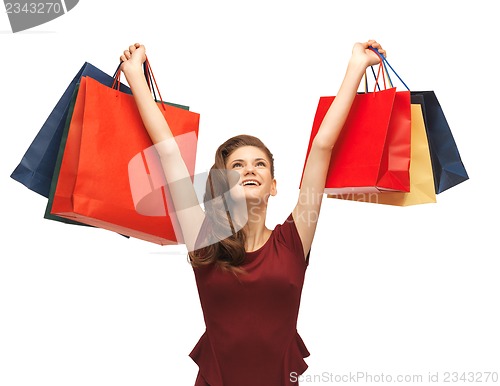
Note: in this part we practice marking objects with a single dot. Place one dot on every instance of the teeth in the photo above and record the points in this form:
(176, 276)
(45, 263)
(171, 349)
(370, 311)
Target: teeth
(249, 183)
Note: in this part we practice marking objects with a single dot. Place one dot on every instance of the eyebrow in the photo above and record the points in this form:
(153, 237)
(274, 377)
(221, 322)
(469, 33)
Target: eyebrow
(241, 160)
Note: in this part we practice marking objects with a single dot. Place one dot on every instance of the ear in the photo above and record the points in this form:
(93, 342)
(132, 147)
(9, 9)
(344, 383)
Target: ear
(274, 190)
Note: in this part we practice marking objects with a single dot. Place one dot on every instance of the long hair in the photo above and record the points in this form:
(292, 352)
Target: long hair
(227, 252)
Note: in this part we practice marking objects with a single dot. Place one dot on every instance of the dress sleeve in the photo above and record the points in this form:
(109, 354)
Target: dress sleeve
(289, 236)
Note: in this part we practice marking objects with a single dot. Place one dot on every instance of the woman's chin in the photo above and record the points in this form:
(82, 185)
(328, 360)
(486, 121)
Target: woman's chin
(251, 195)
(256, 198)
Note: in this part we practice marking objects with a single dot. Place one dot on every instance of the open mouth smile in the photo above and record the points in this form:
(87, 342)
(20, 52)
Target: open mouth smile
(250, 183)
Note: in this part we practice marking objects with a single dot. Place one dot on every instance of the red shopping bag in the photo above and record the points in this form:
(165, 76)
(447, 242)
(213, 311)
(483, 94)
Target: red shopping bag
(421, 175)
(106, 133)
(372, 152)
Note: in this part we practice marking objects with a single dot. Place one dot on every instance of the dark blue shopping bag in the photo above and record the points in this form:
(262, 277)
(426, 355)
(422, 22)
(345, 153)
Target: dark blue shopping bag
(447, 164)
(36, 168)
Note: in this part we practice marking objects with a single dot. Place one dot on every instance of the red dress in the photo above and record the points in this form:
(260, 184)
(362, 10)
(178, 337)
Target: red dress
(251, 336)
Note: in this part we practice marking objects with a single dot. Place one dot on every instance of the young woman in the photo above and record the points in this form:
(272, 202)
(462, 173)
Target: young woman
(249, 279)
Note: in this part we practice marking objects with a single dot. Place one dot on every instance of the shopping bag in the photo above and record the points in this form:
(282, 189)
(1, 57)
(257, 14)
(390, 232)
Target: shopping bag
(73, 147)
(421, 176)
(62, 146)
(57, 166)
(372, 152)
(36, 167)
(93, 185)
(447, 164)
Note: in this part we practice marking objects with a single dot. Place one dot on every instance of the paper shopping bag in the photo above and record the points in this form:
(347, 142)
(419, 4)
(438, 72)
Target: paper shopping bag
(372, 152)
(36, 167)
(421, 176)
(93, 185)
(62, 146)
(447, 164)
(74, 147)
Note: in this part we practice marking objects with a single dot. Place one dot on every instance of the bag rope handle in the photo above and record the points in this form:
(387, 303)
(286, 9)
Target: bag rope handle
(386, 63)
(150, 79)
(381, 69)
(151, 76)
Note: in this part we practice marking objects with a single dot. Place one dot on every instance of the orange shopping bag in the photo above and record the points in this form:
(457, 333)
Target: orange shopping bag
(94, 186)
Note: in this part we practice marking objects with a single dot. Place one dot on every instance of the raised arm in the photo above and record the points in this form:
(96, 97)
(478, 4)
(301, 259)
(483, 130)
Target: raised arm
(307, 210)
(190, 215)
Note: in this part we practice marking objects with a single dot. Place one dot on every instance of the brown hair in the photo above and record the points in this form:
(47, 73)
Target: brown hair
(227, 252)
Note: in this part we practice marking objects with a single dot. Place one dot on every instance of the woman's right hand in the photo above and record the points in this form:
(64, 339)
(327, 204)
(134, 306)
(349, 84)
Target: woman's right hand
(133, 57)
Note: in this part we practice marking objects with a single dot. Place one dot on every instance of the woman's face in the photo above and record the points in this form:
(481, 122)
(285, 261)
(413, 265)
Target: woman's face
(253, 171)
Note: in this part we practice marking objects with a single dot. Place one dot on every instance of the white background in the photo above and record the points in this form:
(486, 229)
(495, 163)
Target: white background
(389, 290)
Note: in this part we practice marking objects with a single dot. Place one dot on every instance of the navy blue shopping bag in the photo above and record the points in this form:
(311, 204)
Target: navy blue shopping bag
(447, 164)
(36, 168)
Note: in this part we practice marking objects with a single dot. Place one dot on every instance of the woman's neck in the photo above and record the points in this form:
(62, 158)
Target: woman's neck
(256, 233)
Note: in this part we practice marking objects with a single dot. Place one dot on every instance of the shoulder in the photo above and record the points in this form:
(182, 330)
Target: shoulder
(287, 235)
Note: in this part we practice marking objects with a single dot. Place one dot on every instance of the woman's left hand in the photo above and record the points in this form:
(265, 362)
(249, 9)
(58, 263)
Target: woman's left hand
(362, 53)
